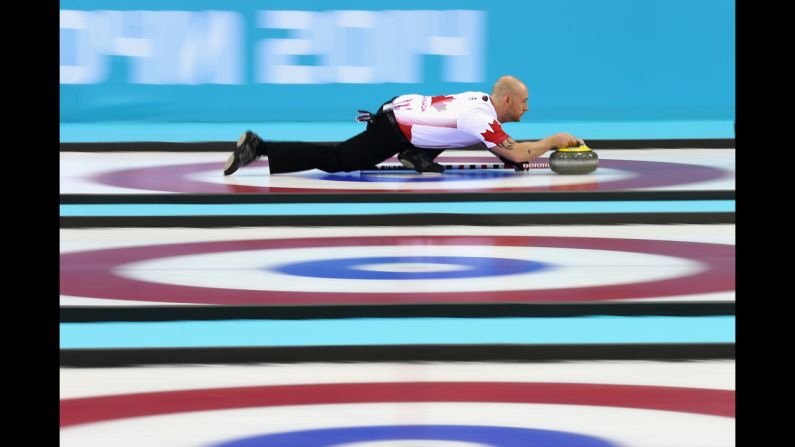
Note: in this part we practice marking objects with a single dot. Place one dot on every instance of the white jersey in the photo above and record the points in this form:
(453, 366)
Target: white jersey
(448, 121)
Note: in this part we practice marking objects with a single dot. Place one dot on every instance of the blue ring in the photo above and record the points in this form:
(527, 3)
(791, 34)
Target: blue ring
(352, 268)
(489, 435)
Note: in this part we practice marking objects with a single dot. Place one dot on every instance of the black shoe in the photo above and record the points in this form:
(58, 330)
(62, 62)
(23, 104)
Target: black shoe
(245, 152)
(420, 160)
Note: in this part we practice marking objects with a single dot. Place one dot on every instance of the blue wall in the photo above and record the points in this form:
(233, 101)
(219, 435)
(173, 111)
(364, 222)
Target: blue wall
(230, 61)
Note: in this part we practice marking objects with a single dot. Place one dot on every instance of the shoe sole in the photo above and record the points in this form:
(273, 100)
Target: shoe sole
(407, 164)
(242, 139)
(230, 166)
(232, 163)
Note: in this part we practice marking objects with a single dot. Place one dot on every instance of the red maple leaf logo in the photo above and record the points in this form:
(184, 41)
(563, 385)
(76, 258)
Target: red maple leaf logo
(438, 102)
(495, 134)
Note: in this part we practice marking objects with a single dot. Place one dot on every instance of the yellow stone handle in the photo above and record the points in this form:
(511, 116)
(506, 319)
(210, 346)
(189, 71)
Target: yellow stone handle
(581, 148)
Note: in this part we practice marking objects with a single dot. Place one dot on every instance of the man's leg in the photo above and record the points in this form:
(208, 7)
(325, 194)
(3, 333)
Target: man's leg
(362, 151)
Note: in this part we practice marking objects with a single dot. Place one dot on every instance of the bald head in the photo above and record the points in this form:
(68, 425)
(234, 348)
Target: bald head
(509, 96)
(507, 85)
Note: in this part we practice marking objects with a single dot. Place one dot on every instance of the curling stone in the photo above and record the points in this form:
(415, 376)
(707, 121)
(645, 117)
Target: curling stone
(574, 160)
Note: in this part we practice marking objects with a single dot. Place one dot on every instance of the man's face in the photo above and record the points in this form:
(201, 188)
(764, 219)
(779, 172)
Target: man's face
(519, 104)
(516, 104)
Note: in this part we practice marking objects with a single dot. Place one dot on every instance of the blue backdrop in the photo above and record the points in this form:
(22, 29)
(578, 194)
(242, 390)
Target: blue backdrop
(266, 61)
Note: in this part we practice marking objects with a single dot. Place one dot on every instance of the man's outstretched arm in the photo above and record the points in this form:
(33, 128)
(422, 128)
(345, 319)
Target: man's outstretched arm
(519, 152)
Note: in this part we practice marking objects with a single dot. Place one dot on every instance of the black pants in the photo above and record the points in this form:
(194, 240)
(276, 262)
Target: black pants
(379, 141)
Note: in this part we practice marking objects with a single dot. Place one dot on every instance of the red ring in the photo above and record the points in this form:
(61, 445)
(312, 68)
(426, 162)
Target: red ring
(90, 273)
(686, 400)
(174, 178)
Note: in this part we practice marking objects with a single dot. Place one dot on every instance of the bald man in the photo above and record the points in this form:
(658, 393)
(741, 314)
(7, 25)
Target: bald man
(417, 128)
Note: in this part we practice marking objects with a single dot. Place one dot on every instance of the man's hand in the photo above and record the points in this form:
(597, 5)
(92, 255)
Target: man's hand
(563, 140)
